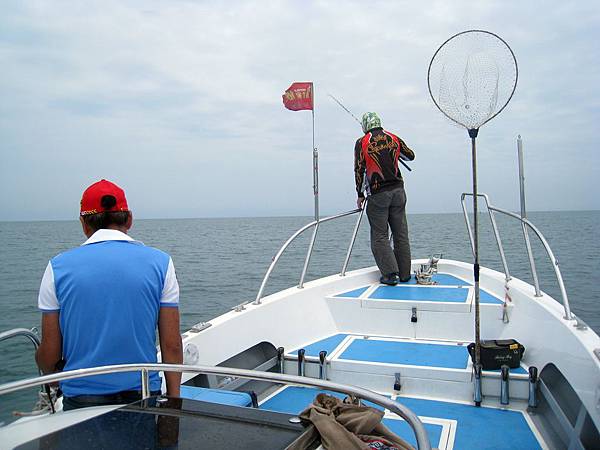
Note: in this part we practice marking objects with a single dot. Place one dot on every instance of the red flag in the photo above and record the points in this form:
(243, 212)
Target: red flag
(299, 96)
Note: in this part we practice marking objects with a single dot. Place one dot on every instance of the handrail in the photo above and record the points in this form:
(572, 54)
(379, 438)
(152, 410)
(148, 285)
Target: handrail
(287, 243)
(525, 222)
(353, 391)
(30, 334)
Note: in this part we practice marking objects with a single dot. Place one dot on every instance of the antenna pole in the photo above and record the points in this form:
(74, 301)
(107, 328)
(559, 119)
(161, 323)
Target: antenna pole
(536, 282)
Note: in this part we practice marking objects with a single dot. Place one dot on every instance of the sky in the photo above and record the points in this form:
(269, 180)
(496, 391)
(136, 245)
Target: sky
(179, 102)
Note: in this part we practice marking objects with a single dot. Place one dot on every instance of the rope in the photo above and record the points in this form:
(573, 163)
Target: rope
(43, 405)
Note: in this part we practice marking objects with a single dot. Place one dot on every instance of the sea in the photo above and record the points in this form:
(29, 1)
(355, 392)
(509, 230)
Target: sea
(220, 263)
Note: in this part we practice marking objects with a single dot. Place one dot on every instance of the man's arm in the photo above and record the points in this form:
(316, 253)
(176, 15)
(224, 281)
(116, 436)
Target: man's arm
(359, 172)
(49, 353)
(406, 153)
(171, 349)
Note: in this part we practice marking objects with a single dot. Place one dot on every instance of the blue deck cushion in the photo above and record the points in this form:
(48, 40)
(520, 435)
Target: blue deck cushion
(407, 353)
(216, 396)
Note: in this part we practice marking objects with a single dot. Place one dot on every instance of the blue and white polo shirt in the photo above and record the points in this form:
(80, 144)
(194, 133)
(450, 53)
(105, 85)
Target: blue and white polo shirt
(108, 293)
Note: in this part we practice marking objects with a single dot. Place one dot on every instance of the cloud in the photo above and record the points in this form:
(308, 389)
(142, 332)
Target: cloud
(181, 103)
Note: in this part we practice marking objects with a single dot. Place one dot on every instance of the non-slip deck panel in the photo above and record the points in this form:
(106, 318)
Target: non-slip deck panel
(478, 428)
(421, 293)
(328, 344)
(294, 399)
(448, 290)
(407, 353)
(486, 297)
(354, 293)
(403, 429)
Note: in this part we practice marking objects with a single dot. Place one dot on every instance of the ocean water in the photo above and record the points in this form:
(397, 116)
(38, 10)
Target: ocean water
(221, 262)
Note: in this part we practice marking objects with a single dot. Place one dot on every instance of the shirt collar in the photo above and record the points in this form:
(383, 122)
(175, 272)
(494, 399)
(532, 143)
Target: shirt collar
(105, 234)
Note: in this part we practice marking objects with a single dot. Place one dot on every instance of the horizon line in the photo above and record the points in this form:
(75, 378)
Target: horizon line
(283, 216)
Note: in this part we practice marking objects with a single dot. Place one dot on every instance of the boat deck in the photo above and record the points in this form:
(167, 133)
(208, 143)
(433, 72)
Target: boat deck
(435, 374)
(450, 425)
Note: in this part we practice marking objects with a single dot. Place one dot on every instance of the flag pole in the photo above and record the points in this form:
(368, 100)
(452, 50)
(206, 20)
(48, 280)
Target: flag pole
(315, 192)
(315, 159)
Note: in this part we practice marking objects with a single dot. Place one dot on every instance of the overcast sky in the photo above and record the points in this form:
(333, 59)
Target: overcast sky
(179, 102)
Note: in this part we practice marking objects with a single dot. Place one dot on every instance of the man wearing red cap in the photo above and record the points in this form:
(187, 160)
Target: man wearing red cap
(101, 305)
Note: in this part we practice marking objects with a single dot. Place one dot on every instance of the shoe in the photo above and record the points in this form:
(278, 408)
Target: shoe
(404, 280)
(390, 279)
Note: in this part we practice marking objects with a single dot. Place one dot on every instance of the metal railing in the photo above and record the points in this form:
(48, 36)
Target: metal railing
(352, 391)
(526, 224)
(29, 334)
(314, 223)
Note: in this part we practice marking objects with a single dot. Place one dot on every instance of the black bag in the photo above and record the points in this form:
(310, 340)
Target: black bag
(495, 353)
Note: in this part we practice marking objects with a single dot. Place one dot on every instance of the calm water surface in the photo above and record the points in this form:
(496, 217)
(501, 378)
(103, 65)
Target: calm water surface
(221, 262)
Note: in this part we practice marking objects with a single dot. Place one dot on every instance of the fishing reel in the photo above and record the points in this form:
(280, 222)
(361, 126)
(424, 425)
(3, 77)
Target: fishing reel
(424, 274)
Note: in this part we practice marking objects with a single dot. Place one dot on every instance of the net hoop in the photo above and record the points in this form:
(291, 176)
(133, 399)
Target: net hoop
(442, 46)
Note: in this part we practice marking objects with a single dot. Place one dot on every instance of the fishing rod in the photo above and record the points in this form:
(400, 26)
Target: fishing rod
(355, 118)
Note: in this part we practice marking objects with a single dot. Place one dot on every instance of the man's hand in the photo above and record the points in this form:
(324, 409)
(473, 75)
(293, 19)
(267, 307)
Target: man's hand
(359, 202)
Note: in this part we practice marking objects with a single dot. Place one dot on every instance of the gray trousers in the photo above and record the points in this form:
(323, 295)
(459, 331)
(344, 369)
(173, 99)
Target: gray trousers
(383, 209)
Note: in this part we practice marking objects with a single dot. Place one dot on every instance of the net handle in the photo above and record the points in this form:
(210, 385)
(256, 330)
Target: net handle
(514, 86)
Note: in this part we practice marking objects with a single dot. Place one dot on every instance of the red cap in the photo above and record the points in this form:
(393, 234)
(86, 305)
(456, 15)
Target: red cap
(91, 202)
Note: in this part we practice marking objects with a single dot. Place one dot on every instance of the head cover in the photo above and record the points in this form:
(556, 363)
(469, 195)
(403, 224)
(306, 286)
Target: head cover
(95, 200)
(369, 121)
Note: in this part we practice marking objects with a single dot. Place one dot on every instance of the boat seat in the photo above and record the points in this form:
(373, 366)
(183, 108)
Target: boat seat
(232, 398)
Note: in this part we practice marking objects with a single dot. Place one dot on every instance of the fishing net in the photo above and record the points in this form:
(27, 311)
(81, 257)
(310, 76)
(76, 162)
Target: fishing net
(472, 77)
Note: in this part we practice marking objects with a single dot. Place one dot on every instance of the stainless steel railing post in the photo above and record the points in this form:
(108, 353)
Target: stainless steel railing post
(145, 384)
(308, 255)
(467, 222)
(353, 239)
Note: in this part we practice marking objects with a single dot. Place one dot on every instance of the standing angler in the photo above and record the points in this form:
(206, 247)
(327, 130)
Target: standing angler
(377, 153)
(102, 303)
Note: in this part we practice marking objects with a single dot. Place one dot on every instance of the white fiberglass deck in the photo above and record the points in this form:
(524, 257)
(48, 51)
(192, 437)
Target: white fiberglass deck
(372, 361)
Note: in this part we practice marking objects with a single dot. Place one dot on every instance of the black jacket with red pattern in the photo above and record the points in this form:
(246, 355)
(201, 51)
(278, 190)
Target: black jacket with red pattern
(377, 154)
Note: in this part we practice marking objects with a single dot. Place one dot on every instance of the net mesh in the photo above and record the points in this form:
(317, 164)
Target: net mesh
(472, 77)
